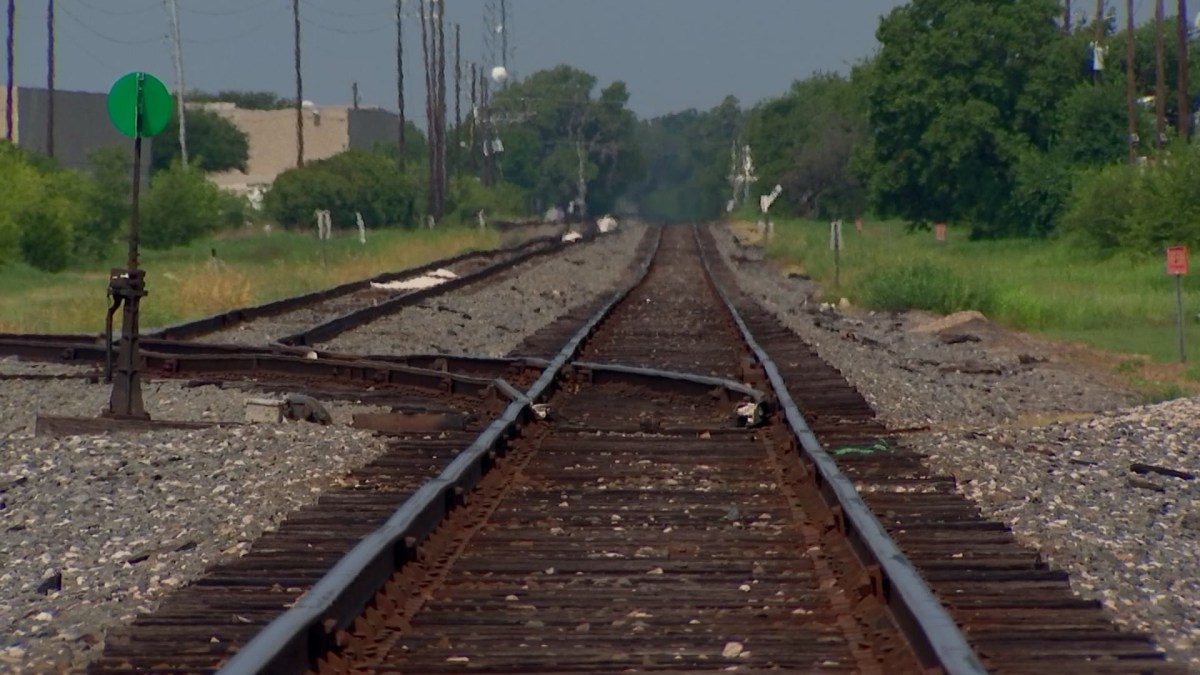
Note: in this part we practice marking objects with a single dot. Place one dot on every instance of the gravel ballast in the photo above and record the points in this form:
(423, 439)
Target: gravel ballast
(1040, 443)
(493, 317)
(94, 530)
(124, 519)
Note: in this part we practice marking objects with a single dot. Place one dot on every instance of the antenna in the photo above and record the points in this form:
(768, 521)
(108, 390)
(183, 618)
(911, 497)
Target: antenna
(496, 45)
(177, 54)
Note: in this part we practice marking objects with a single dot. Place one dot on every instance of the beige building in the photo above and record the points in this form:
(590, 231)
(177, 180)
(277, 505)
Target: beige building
(328, 130)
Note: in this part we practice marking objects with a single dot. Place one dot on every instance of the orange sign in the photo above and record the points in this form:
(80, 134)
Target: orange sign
(1177, 262)
(939, 231)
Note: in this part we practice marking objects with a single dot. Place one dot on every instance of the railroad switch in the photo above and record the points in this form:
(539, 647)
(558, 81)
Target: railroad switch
(125, 287)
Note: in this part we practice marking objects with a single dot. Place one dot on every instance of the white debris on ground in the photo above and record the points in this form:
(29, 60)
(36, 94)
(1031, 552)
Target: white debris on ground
(434, 278)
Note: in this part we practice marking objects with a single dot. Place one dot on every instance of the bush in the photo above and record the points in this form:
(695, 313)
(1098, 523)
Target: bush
(181, 206)
(1138, 207)
(353, 181)
(214, 143)
(468, 197)
(924, 285)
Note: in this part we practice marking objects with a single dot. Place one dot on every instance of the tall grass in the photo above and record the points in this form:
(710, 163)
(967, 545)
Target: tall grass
(1123, 303)
(188, 282)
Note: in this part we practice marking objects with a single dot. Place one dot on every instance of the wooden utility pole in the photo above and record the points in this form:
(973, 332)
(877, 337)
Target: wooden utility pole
(50, 78)
(1067, 17)
(1184, 119)
(458, 73)
(1160, 77)
(1131, 81)
(400, 79)
(8, 97)
(441, 109)
(299, 87)
(431, 132)
(1098, 42)
(474, 116)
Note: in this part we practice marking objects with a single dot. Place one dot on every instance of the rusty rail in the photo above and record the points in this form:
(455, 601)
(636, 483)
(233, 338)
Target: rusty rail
(290, 642)
(305, 631)
(189, 330)
(929, 627)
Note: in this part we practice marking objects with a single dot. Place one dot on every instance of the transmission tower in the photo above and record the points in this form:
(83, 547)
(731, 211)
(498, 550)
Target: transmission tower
(497, 47)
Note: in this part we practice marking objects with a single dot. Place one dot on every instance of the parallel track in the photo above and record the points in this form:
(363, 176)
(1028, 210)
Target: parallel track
(639, 529)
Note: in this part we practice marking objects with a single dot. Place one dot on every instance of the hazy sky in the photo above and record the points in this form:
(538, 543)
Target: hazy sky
(674, 54)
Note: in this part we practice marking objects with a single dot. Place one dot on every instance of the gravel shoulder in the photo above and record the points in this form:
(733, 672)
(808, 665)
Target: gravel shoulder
(94, 530)
(492, 317)
(1039, 441)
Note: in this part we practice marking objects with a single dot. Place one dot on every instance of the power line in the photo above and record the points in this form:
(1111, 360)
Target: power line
(234, 12)
(118, 12)
(86, 26)
(343, 31)
(382, 11)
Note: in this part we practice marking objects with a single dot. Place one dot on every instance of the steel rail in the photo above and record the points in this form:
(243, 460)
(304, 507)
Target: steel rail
(936, 638)
(293, 641)
(194, 328)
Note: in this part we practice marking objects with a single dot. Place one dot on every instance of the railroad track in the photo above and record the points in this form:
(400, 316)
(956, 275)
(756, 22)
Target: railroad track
(639, 526)
(290, 325)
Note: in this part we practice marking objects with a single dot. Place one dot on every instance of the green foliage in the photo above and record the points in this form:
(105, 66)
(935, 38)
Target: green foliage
(41, 209)
(687, 159)
(250, 100)
(353, 181)
(1142, 208)
(804, 141)
(960, 89)
(214, 143)
(469, 196)
(107, 199)
(924, 285)
(560, 131)
(181, 206)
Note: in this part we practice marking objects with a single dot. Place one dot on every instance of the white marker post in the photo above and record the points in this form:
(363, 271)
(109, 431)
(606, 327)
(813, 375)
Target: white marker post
(835, 245)
(362, 228)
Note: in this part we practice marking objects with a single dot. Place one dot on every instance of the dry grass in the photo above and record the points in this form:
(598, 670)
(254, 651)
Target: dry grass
(184, 284)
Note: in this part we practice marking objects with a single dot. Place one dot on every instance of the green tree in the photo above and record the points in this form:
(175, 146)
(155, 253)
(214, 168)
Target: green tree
(214, 143)
(250, 100)
(687, 159)
(181, 206)
(561, 144)
(804, 142)
(959, 90)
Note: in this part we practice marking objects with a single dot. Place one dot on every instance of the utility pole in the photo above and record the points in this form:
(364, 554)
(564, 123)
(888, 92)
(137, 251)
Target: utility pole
(1131, 82)
(474, 115)
(1098, 41)
(431, 132)
(1184, 120)
(50, 78)
(1067, 17)
(8, 108)
(354, 94)
(504, 38)
(1160, 77)
(177, 54)
(441, 109)
(299, 87)
(400, 77)
(458, 73)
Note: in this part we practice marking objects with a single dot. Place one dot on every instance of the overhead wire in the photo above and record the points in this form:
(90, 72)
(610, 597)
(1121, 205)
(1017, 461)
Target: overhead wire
(88, 27)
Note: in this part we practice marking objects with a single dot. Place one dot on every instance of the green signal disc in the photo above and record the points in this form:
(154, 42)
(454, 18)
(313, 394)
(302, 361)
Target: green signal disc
(123, 102)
